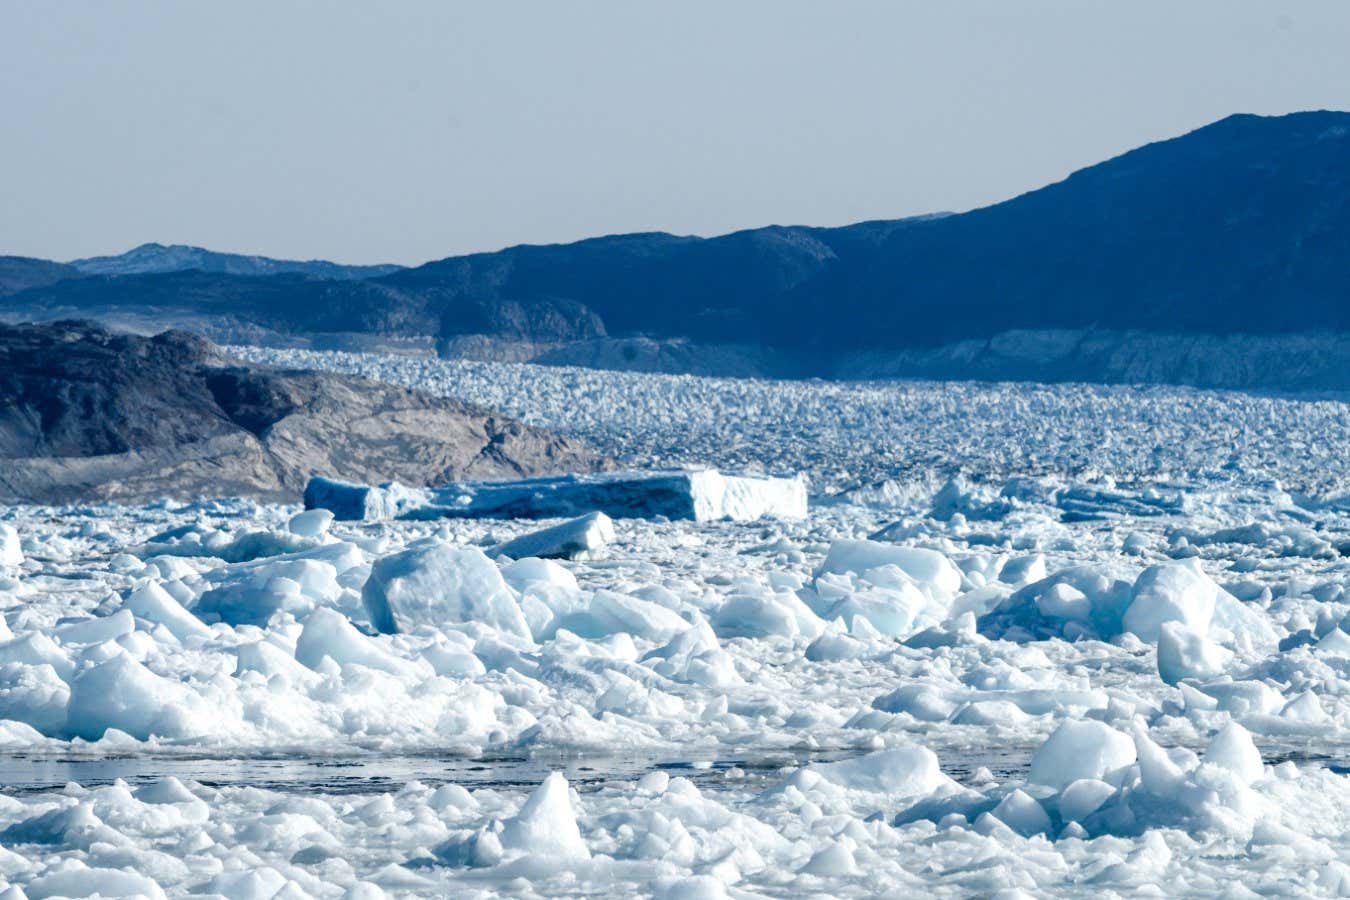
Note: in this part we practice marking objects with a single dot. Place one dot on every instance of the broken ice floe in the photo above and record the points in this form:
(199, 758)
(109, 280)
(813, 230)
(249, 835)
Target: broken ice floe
(698, 495)
(574, 539)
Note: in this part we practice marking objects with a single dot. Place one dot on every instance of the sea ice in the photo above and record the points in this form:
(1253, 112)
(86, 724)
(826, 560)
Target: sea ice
(700, 495)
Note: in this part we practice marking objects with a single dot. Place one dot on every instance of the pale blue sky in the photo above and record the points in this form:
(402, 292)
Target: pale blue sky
(408, 131)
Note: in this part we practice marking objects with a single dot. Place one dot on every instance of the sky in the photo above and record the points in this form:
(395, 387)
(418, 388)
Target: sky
(414, 130)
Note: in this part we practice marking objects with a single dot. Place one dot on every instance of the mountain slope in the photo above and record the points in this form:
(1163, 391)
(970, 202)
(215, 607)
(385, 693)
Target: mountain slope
(1241, 227)
(19, 273)
(87, 414)
(158, 258)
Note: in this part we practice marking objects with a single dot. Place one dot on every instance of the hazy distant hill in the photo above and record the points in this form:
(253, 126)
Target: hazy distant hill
(157, 258)
(1238, 228)
(19, 273)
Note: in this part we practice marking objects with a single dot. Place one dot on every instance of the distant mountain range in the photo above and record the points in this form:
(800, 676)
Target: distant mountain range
(155, 259)
(1241, 228)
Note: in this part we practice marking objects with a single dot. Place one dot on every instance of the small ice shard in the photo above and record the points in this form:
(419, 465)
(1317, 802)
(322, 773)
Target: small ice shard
(546, 825)
(578, 538)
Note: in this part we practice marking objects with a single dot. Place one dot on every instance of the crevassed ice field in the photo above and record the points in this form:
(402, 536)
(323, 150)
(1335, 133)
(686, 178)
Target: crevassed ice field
(1031, 641)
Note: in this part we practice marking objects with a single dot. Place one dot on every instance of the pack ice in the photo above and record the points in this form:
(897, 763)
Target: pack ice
(1109, 657)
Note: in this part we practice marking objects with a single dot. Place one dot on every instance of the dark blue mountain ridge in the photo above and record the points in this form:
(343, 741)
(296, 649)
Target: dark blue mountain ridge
(155, 258)
(1240, 227)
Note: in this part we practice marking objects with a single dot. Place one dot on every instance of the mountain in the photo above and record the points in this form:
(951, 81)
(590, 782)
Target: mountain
(87, 414)
(157, 258)
(1241, 228)
(19, 273)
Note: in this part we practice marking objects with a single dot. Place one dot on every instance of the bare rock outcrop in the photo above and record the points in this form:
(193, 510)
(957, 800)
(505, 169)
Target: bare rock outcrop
(92, 415)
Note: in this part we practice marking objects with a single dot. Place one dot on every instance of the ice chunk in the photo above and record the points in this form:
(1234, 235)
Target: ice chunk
(311, 523)
(79, 881)
(765, 613)
(702, 495)
(121, 693)
(154, 604)
(575, 539)
(896, 612)
(97, 630)
(924, 566)
(696, 887)
(833, 860)
(256, 592)
(546, 825)
(1020, 812)
(269, 593)
(1304, 708)
(362, 502)
(269, 659)
(1081, 749)
(908, 771)
(1064, 601)
(546, 591)
(1023, 570)
(1184, 654)
(328, 633)
(35, 695)
(1082, 798)
(37, 649)
(694, 656)
(1334, 643)
(1233, 749)
(610, 612)
(11, 554)
(435, 583)
(1171, 592)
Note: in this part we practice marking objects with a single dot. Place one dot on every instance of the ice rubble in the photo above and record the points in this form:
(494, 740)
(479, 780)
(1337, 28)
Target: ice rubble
(702, 495)
(909, 634)
(856, 434)
(432, 640)
(1119, 814)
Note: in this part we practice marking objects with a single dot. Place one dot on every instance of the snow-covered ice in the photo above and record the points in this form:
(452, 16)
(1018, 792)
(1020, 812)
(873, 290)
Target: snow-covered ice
(1066, 641)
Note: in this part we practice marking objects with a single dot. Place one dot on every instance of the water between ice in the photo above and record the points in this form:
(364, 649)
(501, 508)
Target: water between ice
(27, 773)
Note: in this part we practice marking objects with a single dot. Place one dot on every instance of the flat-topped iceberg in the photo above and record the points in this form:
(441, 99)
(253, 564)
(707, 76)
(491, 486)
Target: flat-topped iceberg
(699, 495)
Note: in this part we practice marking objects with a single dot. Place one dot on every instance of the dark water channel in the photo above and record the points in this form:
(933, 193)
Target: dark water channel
(375, 773)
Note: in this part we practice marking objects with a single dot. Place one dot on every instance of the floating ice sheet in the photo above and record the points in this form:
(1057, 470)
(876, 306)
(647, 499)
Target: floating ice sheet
(699, 495)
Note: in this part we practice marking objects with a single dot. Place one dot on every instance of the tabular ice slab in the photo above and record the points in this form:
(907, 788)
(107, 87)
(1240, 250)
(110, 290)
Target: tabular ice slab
(699, 495)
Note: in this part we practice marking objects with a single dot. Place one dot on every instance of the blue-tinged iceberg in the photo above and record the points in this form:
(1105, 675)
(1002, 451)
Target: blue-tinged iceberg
(701, 495)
